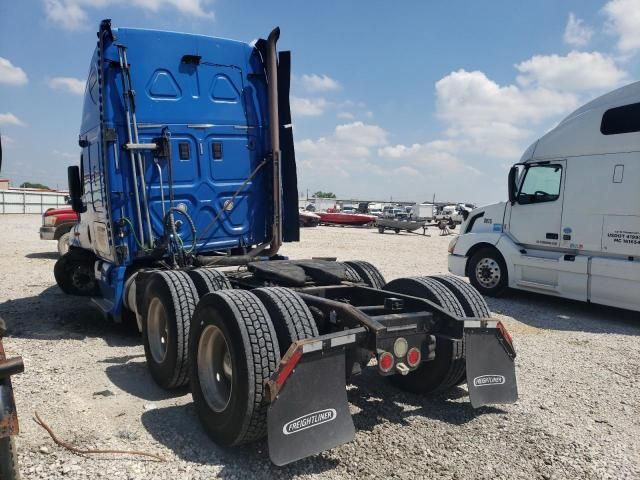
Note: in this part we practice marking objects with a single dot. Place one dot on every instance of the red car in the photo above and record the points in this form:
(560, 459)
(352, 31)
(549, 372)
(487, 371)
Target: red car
(57, 224)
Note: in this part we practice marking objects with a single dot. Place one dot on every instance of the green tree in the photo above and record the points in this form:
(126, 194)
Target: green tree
(34, 185)
(324, 195)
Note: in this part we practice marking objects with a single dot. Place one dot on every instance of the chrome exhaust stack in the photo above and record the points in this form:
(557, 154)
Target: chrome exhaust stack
(274, 127)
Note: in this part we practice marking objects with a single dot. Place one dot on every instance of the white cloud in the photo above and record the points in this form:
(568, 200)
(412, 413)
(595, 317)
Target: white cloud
(486, 118)
(623, 20)
(471, 98)
(345, 115)
(431, 155)
(343, 152)
(577, 71)
(72, 14)
(68, 84)
(66, 155)
(10, 119)
(11, 74)
(319, 83)
(308, 107)
(577, 33)
(361, 134)
(67, 14)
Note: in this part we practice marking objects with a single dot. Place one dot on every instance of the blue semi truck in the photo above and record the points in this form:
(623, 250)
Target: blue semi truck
(186, 191)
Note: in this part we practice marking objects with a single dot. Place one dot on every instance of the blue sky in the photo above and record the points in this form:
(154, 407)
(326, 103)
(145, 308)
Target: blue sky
(398, 100)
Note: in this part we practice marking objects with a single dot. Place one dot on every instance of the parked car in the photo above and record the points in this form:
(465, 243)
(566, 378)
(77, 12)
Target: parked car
(57, 224)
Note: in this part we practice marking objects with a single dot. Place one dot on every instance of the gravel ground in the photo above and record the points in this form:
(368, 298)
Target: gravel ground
(578, 415)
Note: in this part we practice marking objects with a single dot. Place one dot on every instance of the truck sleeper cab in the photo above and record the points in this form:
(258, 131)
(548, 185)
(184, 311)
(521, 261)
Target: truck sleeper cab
(571, 227)
(188, 167)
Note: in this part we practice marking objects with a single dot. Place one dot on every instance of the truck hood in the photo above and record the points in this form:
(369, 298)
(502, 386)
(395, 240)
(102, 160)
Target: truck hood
(488, 218)
(59, 211)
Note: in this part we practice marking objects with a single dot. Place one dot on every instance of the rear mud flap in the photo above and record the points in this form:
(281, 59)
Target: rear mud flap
(491, 373)
(311, 412)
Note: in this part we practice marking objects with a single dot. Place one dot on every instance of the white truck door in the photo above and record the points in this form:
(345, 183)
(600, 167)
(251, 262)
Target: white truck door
(535, 217)
(533, 222)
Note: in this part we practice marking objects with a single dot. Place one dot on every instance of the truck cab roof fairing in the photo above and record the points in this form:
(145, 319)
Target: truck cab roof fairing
(579, 133)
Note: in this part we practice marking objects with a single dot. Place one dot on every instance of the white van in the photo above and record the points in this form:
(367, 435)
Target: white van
(571, 227)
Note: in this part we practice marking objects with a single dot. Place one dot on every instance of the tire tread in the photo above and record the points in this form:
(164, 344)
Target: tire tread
(471, 300)
(263, 352)
(290, 316)
(185, 298)
(367, 272)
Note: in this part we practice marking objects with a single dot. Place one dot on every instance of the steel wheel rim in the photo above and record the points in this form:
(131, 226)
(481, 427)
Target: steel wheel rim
(215, 370)
(82, 278)
(488, 273)
(158, 330)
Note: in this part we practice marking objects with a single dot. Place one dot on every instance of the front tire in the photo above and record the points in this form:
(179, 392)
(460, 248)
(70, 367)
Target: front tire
(234, 351)
(488, 272)
(74, 274)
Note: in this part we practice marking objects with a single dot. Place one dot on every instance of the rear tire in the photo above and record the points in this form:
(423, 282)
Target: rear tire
(207, 280)
(74, 274)
(368, 273)
(234, 351)
(443, 372)
(170, 299)
(472, 302)
(488, 272)
(380, 229)
(291, 317)
(63, 243)
(350, 275)
(8, 459)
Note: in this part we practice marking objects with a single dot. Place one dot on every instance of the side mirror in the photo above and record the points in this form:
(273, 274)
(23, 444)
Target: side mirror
(513, 175)
(75, 189)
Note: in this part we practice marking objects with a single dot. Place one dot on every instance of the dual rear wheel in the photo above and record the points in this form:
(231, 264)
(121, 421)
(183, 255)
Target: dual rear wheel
(237, 340)
(458, 298)
(226, 343)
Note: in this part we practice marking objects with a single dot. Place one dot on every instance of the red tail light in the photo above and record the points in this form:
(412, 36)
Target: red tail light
(505, 334)
(385, 362)
(413, 357)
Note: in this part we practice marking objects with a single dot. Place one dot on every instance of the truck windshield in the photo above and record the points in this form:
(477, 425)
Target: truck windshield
(541, 184)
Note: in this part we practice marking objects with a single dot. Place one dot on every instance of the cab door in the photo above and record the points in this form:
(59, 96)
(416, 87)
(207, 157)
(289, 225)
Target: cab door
(536, 216)
(534, 223)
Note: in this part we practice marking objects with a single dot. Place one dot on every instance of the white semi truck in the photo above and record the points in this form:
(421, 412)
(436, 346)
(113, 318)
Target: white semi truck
(571, 226)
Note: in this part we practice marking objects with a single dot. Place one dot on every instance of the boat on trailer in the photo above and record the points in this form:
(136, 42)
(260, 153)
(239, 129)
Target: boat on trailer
(339, 218)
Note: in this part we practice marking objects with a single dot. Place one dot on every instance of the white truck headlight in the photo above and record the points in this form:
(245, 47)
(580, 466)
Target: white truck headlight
(49, 221)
